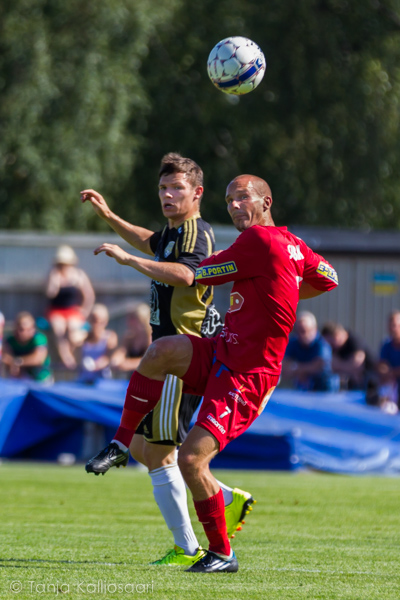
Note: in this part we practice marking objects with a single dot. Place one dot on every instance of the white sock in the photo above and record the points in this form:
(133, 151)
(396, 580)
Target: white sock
(170, 494)
(121, 445)
(224, 556)
(227, 492)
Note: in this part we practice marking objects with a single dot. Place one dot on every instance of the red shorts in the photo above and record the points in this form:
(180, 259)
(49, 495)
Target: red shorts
(231, 400)
(73, 312)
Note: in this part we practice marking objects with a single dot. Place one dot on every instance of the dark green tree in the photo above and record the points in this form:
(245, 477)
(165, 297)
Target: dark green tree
(72, 104)
(323, 126)
(93, 94)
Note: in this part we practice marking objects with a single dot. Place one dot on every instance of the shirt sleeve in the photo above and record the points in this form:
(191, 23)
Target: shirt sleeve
(239, 261)
(154, 240)
(40, 340)
(317, 271)
(195, 244)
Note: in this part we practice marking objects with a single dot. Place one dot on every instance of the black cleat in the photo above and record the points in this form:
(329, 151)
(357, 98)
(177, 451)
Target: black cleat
(213, 563)
(111, 456)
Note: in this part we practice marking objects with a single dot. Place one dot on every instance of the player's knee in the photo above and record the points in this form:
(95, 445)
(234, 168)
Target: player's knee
(188, 463)
(162, 352)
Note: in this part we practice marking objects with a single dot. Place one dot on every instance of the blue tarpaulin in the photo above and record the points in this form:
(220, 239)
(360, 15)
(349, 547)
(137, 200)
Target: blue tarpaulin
(330, 432)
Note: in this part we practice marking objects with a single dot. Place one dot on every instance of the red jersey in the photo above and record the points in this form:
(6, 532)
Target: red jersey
(267, 265)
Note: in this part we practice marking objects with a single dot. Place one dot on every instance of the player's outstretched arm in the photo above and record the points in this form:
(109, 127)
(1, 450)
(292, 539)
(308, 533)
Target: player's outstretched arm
(136, 236)
(174, 274)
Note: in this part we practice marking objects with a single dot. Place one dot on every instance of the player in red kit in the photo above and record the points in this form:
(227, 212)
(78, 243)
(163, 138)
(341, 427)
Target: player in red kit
(237, 371)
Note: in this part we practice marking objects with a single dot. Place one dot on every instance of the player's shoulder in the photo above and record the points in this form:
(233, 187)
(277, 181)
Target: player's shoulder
(272, 232)
(196, 227)
(290, 236)
(194, 234)
(193, 223)
(278, 238)
(202, 225)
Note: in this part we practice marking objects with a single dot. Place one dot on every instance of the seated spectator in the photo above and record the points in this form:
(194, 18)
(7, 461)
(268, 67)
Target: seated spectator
(135, 342)
(351, 358)
(389, 366)
(25, 352)
(308, 357)
(2, 323)
(71, 298)
(95, 352)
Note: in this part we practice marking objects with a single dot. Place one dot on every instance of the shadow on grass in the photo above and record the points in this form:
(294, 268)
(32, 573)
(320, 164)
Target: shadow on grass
(27, 562)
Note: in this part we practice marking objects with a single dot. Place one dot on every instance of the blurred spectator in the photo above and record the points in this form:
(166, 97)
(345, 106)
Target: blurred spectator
(351, 358)
(71, 298)
(389, 366)
(2, 322)
(95, 352)
(308, 357)
(25, 352)
(136, 340)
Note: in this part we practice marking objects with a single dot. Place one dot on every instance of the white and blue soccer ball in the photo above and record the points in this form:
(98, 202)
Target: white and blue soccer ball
(236, 65)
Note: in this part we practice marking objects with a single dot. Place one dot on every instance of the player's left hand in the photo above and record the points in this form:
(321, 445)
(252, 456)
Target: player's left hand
(115, 252)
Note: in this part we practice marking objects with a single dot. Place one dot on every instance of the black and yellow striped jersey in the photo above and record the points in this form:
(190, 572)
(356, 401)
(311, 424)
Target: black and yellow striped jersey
(183, 309)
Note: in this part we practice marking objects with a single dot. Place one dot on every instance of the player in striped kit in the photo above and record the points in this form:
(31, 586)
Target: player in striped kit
(177, 307)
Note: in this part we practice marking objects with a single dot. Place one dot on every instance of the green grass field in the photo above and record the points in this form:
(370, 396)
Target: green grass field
(66, 534)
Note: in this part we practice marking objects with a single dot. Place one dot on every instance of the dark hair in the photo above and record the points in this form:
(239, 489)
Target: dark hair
(175, 163)
(330, 328)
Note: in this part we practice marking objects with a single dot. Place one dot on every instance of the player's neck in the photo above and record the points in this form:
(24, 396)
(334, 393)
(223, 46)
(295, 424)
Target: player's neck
(175, 223)
(268, 221)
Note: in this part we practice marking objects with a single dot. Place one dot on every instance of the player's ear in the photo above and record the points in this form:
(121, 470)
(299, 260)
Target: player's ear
(198, 192)
(267, 203)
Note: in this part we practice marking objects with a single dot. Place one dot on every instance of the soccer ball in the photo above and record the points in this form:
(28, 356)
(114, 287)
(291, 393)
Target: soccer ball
(236, 65)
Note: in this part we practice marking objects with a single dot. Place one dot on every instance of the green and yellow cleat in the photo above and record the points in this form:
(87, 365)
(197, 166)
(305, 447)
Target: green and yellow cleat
(236, 511)
(177, 557)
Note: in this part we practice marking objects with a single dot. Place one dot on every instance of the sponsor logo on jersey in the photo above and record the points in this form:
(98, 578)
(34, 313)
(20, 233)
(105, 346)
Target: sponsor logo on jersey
(231, 338)
(327, 271)
(154, 305)
(237, 397)
(236, 302)
(216, 270)
(212, 322)
(226, 412)
(217, 425)
(295, 252)
(168, 249)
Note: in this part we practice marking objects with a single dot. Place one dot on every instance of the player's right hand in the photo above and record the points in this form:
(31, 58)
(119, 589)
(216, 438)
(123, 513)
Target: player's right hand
(100, 206)
(114, 251)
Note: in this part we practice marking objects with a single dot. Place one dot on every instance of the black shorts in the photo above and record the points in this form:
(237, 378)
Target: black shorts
(168, 424)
